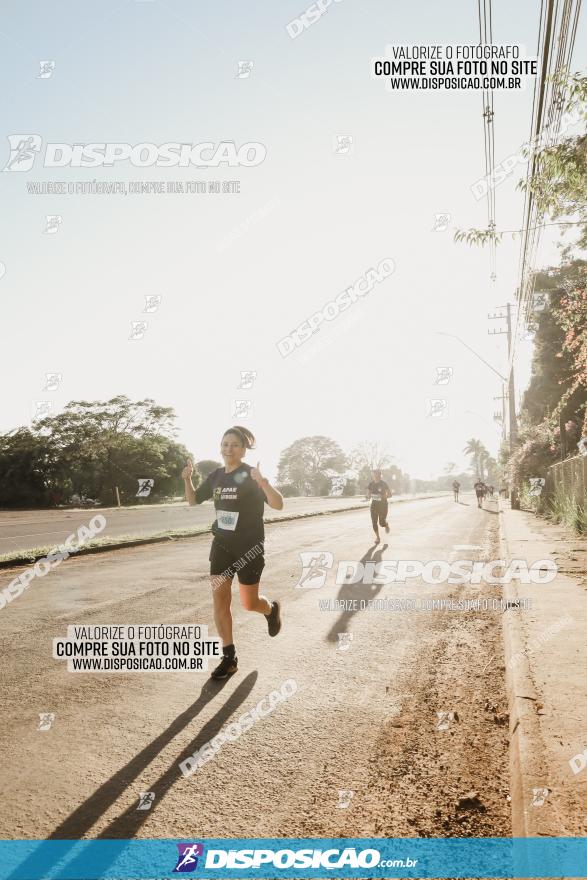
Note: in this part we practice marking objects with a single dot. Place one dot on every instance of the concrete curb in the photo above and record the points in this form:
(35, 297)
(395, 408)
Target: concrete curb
(528, 765)
(140, 542)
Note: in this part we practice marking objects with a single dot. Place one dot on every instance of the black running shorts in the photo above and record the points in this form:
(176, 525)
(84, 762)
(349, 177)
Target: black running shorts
(379, 512)
(246, 564)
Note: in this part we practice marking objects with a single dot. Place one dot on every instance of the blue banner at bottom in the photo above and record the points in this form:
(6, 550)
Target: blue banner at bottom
(293, 857)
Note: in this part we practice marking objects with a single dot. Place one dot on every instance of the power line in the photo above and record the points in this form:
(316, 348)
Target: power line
(486, 38)
(556, 40)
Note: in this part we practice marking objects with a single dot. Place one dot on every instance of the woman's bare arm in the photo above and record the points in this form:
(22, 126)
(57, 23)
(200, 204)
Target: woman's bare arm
(190, 492)
(274, 497)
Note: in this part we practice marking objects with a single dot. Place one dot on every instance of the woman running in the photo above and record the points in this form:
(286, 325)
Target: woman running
(378, 492)
(239, 492)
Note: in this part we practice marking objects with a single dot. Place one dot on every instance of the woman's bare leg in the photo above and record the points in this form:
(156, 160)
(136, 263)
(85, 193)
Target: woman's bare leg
(222, 596)
(252, 601)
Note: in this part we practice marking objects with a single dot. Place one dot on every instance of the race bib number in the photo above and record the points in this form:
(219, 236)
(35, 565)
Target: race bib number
(375, 496)
(226, 519)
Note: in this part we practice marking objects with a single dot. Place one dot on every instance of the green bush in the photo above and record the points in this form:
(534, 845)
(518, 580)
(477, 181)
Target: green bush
(567, 512)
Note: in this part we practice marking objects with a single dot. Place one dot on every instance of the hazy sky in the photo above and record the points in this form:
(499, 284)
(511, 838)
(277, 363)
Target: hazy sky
(159, 72)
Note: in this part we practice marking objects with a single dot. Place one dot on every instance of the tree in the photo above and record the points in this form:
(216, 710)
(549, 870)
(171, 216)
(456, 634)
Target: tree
(89, 449)
(556, 399)
(23, 481)
(559, 179)
(484, 459)
(570, 313)
(491, 470)
(288, 490)
(537, 451)
(480, 456)
(370, 455)
(307, 462)
(476, 450)
(559, 360)
(558, 182)
(206, 466)
(116, 443)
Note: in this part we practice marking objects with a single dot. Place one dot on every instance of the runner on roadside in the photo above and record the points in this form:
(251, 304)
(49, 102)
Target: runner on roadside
(480, 490)
(240, 493)
(378, 492)
(455, 487)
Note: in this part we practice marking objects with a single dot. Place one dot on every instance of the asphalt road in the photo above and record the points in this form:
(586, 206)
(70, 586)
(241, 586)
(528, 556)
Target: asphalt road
(362, 720)
(23, 530)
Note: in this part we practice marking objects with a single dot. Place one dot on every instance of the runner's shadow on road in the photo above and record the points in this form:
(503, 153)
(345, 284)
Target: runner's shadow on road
(358, 591)
(130, 821)
(78, 823)
(88, 813)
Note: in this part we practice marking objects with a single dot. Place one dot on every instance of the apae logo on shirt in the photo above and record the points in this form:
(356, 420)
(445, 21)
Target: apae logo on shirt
(225, 493)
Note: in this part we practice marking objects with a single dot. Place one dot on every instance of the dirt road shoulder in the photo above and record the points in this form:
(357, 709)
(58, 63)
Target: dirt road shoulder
(546, 658)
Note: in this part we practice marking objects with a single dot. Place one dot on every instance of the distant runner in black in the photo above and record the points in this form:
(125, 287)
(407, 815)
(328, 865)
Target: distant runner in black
(378, 492)
(240, 493)
(455, 487)
(480, 490)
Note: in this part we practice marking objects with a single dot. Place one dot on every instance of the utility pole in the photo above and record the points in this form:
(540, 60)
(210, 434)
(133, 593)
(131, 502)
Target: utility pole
(513, 426)
(497, 417)
(511, 392)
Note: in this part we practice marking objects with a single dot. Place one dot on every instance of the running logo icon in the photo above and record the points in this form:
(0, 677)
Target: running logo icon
(539, 300)
(46, 71)
(441, 222)
(539, 796)
(536, 485)
(138, 329)
(443, 375)
(444, 720)
(241, 409)
(247, 379)
(46, 719)
(42, 408)
(52, 381)
(437, 408)
(345, 796)
(52, 224)
(337, 487)
(342, 145)
(145, 486)
(315, 565)
(23, 149)
(344, 642)
(146, 800)
(187, 859)
(245, 69)
(152, 303)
